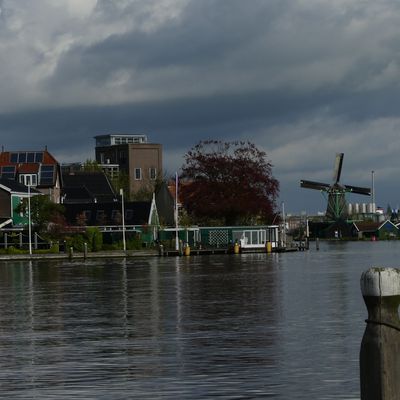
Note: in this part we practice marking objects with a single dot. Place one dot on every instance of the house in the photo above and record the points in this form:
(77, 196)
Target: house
(139, 216)
(376, 230)
(84, 187)
(12, 193)
(165, 205)
(132, 155)
(38, 169)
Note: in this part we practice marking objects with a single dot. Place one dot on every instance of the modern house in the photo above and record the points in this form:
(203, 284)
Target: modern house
(37, 169)
(133, 155)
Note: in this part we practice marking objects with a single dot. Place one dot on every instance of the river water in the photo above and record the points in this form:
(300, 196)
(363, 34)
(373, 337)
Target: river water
(252, 326)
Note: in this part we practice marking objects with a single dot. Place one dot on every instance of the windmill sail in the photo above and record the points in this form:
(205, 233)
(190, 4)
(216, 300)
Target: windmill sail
(336, 207)
(358, 190)
(314, 185)
(337, 169)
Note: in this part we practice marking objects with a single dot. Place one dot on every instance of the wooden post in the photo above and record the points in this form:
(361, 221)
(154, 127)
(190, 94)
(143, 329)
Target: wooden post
(71, 252)
(380, 346)
(35, 246)
(5, 240)
(85, 251)
(20, 240)
(317, 243)
(161, 250)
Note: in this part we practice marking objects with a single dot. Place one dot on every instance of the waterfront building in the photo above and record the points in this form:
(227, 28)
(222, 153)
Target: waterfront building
(37, 169)
(133, 155)
(12, 193)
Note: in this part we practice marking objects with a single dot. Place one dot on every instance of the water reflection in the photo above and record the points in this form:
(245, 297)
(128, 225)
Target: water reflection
(253, 326)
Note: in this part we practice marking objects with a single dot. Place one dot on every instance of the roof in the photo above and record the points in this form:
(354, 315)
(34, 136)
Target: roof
(369, 226)
(87, 187)
(41, 163)
(15, 187)
(41, 156)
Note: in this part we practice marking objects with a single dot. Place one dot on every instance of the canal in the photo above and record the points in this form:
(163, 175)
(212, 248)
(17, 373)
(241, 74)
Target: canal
(252, 326)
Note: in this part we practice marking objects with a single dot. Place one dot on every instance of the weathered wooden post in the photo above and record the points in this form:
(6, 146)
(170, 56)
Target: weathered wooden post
(380, 346)
(161, 250)
(35, 246)
(85, 251)
(5, 240)
(71, 253)
(20, 240)
(317, 243)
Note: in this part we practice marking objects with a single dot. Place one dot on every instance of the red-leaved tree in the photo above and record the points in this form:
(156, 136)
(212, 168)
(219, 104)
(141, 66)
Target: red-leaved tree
(228, 181)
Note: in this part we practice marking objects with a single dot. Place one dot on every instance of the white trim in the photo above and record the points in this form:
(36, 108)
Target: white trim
(141, 176)
(153, 208)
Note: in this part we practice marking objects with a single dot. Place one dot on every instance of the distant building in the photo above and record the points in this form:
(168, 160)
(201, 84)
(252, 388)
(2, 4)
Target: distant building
(38, 169)
(130, 154)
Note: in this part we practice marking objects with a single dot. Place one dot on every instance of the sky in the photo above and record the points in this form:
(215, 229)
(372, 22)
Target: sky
(301, 79)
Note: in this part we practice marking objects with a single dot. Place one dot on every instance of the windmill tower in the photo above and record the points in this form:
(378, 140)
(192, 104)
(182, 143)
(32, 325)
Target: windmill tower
(336, 192)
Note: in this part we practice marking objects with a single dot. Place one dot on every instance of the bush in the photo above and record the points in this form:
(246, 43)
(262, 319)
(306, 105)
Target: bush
(94, 239)
(13, 250)
(53, 249)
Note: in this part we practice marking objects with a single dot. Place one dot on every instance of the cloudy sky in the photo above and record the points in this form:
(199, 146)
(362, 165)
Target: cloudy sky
(302, 79)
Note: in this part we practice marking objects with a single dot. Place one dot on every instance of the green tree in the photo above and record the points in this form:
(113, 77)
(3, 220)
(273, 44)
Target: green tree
(91, 165)
(44, 213)
(121, 181)
(228, 181)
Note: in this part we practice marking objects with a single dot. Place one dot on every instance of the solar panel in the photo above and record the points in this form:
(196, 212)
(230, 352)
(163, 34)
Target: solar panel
(21, 157)
(47, 174)
(14, 157)
(39, 157)
(8, 172)
(30, 157)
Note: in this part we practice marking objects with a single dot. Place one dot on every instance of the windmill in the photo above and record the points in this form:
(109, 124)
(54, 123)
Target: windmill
(336, 208)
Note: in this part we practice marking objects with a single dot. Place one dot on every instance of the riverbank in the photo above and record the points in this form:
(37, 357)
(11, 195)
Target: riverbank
(80, 255)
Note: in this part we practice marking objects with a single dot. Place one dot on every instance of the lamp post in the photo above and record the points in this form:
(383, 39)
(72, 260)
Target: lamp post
(373, 191)
(29, 220)
(121, 192)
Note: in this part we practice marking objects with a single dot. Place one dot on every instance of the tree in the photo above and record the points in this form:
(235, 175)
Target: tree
(91, 166)
(43, 212)
(229, 181)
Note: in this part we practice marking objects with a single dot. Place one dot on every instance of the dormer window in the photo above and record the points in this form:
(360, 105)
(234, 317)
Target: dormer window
(28, 179)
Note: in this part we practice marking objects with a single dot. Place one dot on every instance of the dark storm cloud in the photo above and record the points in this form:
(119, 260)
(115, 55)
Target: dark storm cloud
(301, 79)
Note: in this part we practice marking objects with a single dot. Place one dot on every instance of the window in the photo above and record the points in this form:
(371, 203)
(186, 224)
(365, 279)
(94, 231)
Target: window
(153, 173)
(101, 217)
(138, 174)
(28, 179)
